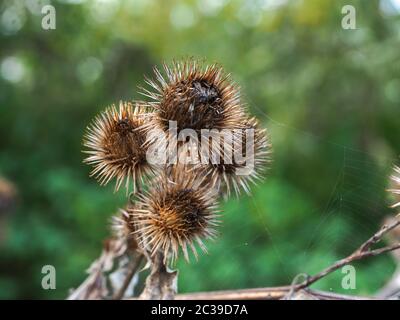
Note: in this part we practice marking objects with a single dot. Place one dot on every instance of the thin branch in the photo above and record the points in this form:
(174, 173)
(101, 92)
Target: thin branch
(379, 235)
(272, 293)
(364, 251)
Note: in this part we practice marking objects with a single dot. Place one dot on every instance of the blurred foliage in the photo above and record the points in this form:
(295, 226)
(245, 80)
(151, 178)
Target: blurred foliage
(328, 96)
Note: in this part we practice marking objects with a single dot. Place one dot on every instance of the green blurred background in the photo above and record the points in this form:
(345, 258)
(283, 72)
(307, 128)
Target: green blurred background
(328, 96)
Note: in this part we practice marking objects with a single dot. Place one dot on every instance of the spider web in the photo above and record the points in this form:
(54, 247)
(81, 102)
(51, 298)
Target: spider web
(356, 198)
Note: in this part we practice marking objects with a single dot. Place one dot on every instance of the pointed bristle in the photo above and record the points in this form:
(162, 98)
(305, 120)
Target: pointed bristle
(115, 145)
(176, 211)
(195, 96)
(395, 186)
(243, 160)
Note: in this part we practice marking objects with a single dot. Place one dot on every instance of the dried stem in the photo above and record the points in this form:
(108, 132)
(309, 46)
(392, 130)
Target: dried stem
(161, 283)
(364, 251)
(135, 264)
(271, 293)
(301, 291)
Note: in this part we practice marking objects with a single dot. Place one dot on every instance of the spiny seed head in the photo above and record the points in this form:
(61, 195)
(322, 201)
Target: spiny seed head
(243, 160)
(122, 225)
(123, 228)
(178, 211)
(395, 190)
(115, 141)
(195, 96)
